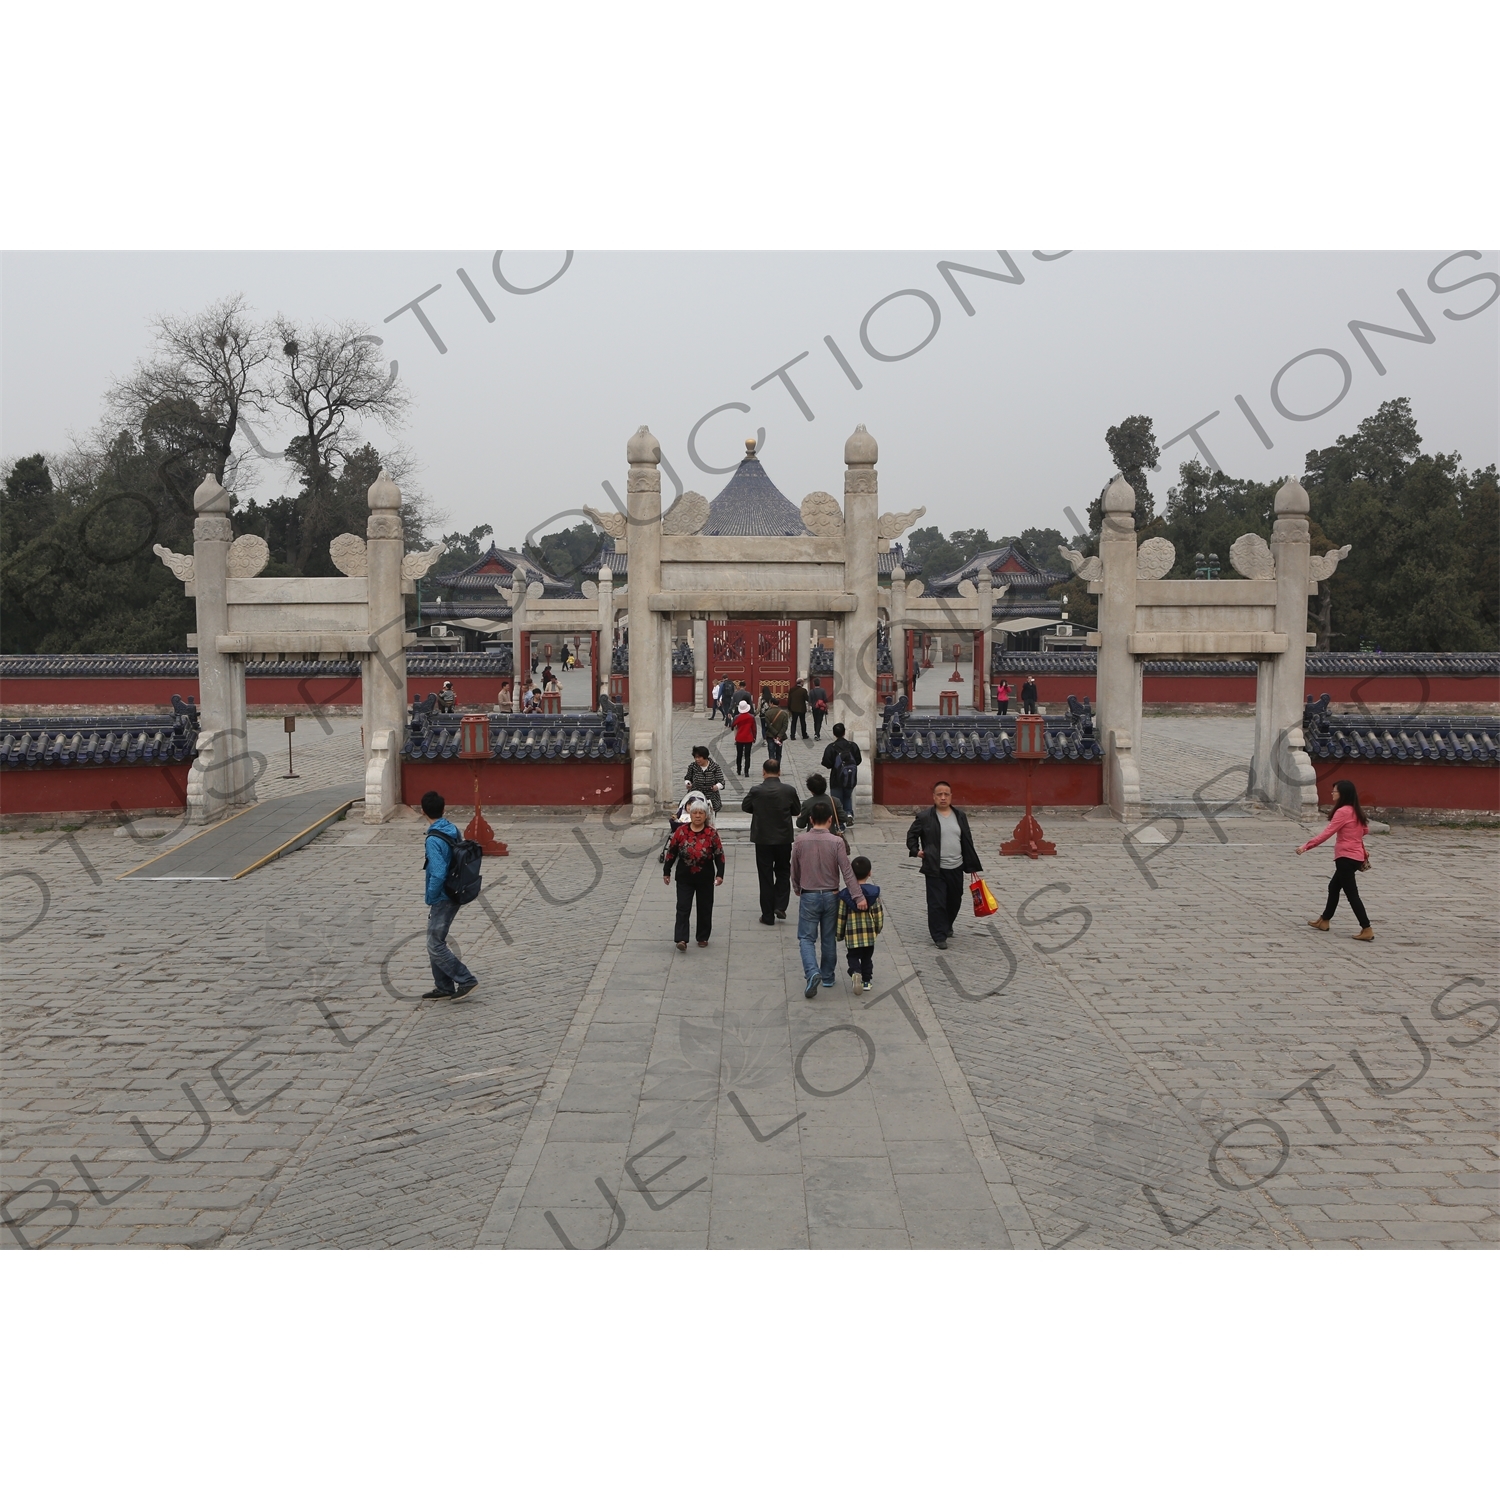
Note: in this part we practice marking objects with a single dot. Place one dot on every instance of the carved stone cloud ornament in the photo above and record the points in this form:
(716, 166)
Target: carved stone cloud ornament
(247, 556)
(822, 514)
(610, 522)
(893, 522)
(348, 554)
(417, 564)
(687, 515)
(1154, 558)
(181, 563)
(1320, 568)
(1250, 557)
(1090, 569)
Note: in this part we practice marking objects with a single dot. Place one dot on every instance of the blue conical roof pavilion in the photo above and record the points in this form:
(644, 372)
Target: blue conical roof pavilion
(750, 505)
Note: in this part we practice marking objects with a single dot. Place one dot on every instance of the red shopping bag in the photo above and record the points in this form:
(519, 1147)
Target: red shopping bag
(985, 904)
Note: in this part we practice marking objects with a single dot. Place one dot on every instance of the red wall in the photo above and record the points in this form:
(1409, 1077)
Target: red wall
(475, 692)
(977, 783)
(93, 788)
(517, 783)
(155, 692)
(1437, 785)
(1376, 690)
(472, 692)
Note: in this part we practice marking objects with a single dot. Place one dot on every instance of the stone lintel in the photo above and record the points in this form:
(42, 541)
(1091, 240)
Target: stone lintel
(1227, 643)
(328, 644)
(1198, 592)
(786, 604)
(297, 590)
(730, 550)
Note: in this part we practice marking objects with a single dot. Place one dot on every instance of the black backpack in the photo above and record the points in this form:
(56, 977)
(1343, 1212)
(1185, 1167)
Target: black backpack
(843, 774)
(463, 880)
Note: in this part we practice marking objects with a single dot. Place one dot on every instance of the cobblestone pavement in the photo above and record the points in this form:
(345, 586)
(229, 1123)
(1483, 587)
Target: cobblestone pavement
(246, 1064)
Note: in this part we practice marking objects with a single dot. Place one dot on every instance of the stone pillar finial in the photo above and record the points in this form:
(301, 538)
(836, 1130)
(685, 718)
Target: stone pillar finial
(384, 494)
(643, 448)
(861, 449)
(1119, 498)
(211, 498)
(1291, 499)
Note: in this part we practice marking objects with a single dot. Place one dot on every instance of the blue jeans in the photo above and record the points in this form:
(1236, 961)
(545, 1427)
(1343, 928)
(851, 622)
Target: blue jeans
(818, 911)
(844, 796)
(448, 971)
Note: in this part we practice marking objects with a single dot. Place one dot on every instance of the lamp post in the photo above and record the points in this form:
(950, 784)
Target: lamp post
(1031, 746)
(474, 745)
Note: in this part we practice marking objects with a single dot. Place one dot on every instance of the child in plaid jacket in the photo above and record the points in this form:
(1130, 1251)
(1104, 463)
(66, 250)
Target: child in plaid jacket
(859, 929)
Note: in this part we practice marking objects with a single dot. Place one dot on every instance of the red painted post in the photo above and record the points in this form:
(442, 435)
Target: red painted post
(1031, 746)
(474, 745)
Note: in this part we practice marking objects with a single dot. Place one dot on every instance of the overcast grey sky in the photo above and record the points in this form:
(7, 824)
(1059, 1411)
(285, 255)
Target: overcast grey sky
(998, 421)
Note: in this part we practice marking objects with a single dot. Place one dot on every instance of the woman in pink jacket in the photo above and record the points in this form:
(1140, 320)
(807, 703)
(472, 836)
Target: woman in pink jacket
(1347, 827)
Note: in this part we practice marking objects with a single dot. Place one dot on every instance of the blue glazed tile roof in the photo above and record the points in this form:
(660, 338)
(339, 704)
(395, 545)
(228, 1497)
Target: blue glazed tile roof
(982, 737)
(101, 739)
(750, 505)
(1403, 738)
(1449, 665)
(431, 736)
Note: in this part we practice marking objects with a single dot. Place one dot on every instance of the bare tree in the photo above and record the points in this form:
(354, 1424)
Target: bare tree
(330, 376)
(187, 400)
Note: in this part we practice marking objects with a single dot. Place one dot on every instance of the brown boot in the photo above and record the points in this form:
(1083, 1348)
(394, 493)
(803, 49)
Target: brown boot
(1365, 935)
(1321, 924)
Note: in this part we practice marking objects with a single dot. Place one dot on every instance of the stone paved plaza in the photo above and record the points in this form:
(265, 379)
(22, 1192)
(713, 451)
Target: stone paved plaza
(1146, 1047)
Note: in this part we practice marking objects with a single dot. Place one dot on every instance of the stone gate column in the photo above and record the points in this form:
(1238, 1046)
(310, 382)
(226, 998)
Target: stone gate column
(700, 666)
(856, 657)
(1118, 682)
(1282, 773)
(986, 604)
(222, 778)
(650, 632)
(600, 665)
(385, 675)
(804, 648)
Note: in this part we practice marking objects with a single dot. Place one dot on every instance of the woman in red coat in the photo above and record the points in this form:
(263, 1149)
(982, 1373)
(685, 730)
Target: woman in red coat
(1347, 828)
(744, 739)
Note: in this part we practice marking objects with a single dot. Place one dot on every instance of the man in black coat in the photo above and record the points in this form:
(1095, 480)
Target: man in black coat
(940, 834)
(842, 761)
(1028, 696)
(772, 805)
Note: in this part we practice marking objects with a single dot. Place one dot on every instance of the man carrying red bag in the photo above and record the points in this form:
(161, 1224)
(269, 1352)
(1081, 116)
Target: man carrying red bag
(940, 835)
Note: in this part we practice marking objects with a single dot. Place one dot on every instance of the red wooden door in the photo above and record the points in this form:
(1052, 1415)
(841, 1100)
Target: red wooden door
(759, 653)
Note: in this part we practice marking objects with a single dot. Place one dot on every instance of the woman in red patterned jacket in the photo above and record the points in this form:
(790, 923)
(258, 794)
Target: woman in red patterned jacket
(696, 850)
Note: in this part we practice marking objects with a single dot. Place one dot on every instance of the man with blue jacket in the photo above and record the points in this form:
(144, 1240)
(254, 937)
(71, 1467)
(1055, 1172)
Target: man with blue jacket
(451, 980)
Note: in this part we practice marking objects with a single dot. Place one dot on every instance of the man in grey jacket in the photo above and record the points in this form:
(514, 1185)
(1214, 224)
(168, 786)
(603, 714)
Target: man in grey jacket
(772, 805)
(819, 863)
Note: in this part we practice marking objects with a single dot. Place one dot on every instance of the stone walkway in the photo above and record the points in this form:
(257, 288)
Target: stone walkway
(1145, 1047)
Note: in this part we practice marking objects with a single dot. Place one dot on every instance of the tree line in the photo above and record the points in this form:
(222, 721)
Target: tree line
(1423, 573)
(77, 572)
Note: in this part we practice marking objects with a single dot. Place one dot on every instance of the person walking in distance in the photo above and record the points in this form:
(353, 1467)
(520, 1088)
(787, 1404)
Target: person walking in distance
(841, 760)
(1028, 696)
(940, 835)
(772, 805)
(796, 707)
(818, 697)
(1347, 828)
(451, 980)
(744, 739)
(697, 851)
(820, 865)
(857, 930)
(777, 722)
(1002, 697)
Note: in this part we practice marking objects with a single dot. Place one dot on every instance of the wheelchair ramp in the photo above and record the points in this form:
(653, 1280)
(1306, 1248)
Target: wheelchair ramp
(252, 838)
